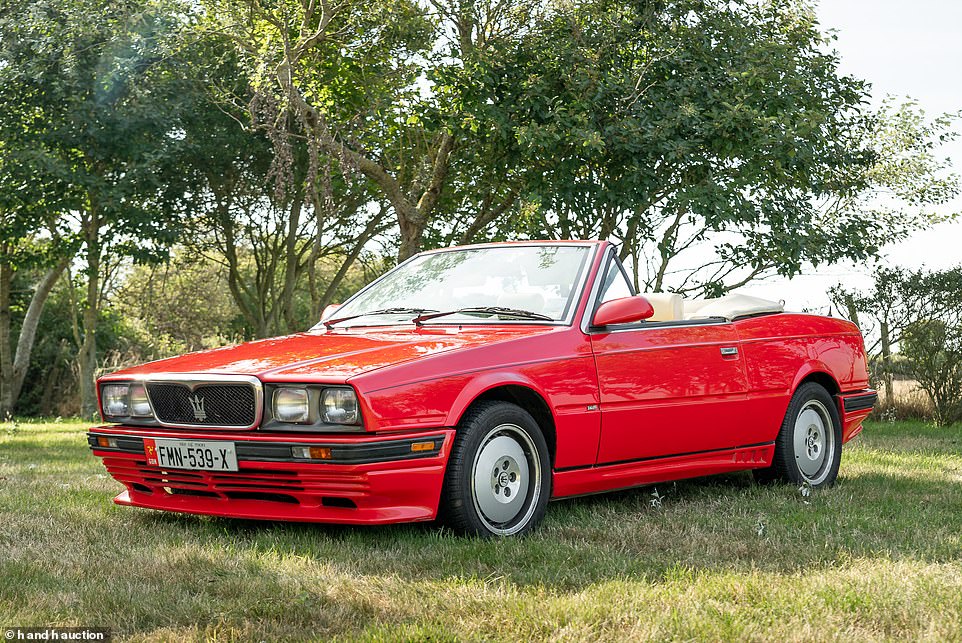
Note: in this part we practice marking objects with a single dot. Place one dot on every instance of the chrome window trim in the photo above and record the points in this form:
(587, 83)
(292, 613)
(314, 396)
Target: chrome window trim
(192, 381)
(708, 321)
(569, 318)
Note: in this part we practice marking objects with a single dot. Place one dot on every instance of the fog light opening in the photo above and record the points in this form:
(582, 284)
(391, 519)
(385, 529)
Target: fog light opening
(332, 501)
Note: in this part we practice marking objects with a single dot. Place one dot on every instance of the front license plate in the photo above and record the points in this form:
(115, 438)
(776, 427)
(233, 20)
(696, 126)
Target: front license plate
(191, 454)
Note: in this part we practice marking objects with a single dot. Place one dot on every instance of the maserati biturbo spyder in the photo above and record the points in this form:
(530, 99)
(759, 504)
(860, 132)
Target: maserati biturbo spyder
(477, 383)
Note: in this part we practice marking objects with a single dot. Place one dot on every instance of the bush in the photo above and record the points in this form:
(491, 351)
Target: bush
(934, 351)
(50, 387)
(908, 401)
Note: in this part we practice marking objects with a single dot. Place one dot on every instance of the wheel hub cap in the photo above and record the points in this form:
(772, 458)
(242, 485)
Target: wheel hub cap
(501, 479)
(813, 441)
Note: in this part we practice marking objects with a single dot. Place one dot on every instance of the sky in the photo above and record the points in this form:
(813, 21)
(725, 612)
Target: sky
(904, 49)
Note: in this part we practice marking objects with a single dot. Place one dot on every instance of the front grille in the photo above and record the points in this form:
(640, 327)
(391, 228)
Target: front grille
(204, 404)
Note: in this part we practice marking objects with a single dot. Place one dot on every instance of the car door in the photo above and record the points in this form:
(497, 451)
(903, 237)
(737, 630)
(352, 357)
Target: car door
(667, 388)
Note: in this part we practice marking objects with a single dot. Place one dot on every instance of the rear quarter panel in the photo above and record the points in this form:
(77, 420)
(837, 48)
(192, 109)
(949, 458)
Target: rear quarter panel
(780, 351)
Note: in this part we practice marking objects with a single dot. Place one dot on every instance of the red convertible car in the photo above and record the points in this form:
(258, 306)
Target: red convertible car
(477, 383)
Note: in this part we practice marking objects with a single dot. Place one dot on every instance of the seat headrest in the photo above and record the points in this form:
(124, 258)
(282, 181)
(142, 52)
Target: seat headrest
(668, 306)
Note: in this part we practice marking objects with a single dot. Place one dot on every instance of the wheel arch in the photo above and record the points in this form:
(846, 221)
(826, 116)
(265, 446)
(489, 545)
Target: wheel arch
(515, 390)
(818, 373)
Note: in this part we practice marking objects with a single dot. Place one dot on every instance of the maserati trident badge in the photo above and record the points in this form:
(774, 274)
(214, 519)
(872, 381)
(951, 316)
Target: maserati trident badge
(197, 403)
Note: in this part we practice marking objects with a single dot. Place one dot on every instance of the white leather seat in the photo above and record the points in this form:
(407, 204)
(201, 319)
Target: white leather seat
(668, 306)
(732, 306)
(692, 306)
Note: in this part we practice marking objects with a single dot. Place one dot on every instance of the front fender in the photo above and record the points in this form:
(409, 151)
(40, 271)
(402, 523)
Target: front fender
(484, 382)
(569, 386)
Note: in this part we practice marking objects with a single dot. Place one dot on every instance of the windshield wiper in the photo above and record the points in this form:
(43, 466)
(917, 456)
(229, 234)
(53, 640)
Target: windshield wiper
(329, 324)
(494, 310)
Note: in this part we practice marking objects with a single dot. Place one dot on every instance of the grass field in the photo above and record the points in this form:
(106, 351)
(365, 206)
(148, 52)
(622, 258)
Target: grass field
(879, 556)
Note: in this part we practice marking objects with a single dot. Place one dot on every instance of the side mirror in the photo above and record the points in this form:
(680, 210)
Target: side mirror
(329, 310)
(623, 311)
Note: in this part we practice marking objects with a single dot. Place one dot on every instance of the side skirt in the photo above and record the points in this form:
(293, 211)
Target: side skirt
(622, 475)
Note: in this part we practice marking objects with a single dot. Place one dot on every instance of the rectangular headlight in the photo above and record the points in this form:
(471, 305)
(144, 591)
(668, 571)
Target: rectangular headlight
(115, 400)
(339, 406)
(291, 404)
(139, 404)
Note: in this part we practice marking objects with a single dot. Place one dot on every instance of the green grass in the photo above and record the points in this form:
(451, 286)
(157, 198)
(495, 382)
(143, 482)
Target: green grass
(879, 556)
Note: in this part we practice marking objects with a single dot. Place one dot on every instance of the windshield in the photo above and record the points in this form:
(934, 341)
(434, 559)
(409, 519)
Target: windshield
(540, 279)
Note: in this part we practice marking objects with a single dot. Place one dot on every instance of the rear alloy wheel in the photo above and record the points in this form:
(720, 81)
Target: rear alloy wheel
(808, 449)
(498, 480)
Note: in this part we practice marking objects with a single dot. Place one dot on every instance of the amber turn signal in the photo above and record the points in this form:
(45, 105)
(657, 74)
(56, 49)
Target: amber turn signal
(312, 453)
(417, 447)
(107, 443)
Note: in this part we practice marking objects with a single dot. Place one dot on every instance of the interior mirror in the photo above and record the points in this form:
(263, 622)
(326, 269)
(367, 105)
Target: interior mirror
(623, 311)
(329, 310)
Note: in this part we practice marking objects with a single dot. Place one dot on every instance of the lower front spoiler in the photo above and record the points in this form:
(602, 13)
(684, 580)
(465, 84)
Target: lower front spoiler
(370, 493)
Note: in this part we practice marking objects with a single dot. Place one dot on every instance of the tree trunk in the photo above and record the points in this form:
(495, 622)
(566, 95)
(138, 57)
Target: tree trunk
(28, 330)
(412, 232)
(291, 261)
(887, 362)
(488, 215)
(87, 355)
(851, 309)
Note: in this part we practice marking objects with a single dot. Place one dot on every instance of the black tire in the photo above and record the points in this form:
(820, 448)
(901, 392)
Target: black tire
(480, 452)
(808, 450)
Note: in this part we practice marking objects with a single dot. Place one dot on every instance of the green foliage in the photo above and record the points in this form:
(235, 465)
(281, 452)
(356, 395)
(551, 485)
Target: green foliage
(934, 351)
(184, 305)
(288, 147)
(668, 125)
(51, 384)
(898, 298)
(919, 312)
(88, 105)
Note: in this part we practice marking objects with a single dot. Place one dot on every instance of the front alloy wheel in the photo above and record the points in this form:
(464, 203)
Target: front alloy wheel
(498, 480)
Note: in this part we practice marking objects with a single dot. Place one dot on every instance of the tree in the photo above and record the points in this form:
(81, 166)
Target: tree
(35, 244)
(934, 350)
(183, 304)
(251, 209)
(104, 106)
(23, 219)
(14, 363)
(716, 141)
(358, 81)
(899, 299)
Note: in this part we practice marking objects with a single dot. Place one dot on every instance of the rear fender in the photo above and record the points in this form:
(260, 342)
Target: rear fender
(814, 366)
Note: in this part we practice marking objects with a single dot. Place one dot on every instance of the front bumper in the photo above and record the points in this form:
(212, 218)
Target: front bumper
(369, 479)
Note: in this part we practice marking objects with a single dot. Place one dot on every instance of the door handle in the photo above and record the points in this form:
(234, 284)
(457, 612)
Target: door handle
(729, 351)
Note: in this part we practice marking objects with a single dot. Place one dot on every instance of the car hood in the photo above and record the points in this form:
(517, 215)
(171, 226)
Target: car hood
(330, 356)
